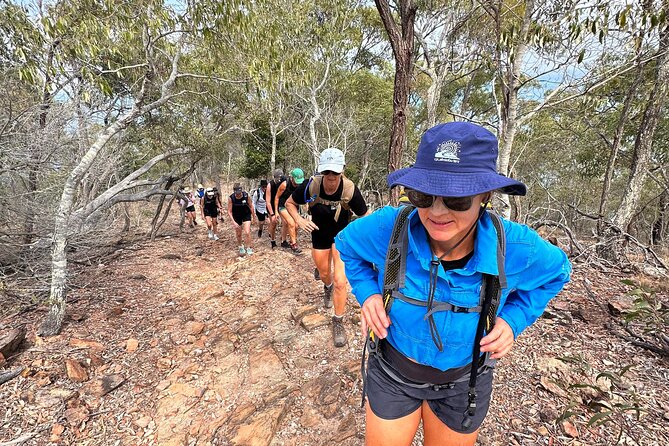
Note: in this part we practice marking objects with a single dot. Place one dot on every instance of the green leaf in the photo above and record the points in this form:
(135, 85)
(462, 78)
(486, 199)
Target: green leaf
(599, 418)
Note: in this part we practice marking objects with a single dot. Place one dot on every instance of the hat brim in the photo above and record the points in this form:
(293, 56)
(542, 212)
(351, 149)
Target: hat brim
(449, 184)
(298, 180)
(337, 168)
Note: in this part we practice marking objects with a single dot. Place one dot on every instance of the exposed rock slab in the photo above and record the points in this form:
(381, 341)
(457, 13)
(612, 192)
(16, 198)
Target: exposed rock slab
(265, 367)
(313, 321)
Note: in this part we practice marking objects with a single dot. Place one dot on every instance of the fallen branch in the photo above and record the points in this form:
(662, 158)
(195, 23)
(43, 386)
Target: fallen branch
(637, 340)
(8, 376)
(632, 337)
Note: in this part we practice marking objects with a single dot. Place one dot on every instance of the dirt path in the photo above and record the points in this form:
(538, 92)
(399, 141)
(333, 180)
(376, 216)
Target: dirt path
(207, 348)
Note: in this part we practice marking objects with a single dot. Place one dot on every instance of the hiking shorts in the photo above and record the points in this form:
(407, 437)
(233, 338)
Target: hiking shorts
(240, 219)
(323, 238)
(261, 216)
(210, 212)
(390, 400)
(190, 208)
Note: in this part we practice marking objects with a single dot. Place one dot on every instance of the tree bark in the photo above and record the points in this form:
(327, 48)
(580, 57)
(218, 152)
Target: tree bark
(643, 143)
(660, 223)
(402, 41)
(615, 147)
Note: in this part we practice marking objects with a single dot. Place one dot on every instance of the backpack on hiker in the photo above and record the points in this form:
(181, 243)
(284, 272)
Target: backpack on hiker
(314, 189)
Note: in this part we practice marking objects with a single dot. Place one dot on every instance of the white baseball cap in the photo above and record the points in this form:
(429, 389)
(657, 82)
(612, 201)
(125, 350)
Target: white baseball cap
(331, 159)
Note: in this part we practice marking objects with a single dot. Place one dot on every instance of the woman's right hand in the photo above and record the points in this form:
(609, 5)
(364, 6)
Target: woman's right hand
(307, 225)
(374, 317)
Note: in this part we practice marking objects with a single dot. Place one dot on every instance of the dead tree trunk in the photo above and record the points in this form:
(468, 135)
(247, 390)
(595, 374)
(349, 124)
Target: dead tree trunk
(402, 41)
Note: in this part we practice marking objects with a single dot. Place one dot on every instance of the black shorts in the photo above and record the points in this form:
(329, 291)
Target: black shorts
(390, 400)
(190, 208)
(261, 217)
(210, 212)
(322, 239)
(239, 219)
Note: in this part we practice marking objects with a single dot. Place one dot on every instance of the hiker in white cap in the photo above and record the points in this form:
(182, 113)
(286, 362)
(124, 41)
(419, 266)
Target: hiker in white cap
(332, 198)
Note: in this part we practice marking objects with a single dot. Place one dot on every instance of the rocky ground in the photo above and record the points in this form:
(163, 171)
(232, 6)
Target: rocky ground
(182, 342)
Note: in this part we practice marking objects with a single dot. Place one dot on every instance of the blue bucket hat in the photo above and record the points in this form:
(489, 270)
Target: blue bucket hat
(456, 159)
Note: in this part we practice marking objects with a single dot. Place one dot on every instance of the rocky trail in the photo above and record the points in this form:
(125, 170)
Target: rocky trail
(182, 342)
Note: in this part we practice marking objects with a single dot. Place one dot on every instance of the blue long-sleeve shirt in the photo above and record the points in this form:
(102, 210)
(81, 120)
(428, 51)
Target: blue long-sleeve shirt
(536, 271)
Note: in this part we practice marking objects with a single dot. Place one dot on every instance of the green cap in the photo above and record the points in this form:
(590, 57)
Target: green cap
(298, 175)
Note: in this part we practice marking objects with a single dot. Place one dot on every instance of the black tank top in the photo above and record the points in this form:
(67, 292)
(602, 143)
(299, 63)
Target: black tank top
(240, 207)
(210, 202)
(290, 188)
(275, 188)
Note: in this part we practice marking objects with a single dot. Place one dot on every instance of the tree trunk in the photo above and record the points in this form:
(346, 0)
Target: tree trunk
(365, 167)
(615, 147)
(644, 139)
(432, 100)
(157, 224)
(660, 224)
(402, 41)
(52, 323)
(511, 85)
(272, 158)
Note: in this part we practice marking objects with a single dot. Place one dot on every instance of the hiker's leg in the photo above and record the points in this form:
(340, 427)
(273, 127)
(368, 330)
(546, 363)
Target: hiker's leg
(208, 220)
(246, 227)
(322, 261)
(340, 283)
(398, 432)
(436, 433)
(290, 224)
(284, 232)
(443, 418)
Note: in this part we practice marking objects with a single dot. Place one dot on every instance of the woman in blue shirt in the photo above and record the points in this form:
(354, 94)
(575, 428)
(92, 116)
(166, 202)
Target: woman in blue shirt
(423, 367)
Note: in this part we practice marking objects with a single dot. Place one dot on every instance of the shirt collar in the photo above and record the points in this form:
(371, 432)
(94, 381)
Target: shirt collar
(484, 259)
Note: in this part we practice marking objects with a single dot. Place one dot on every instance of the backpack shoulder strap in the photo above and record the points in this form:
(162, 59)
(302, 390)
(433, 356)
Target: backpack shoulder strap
(314, 188)
(347, 192)
(395, 266)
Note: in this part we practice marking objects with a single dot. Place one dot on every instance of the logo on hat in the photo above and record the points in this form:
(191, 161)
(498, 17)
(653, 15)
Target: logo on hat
(448, 151)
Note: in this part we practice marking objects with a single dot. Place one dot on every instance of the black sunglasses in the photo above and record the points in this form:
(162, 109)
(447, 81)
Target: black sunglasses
(330, 172)
(457, 204)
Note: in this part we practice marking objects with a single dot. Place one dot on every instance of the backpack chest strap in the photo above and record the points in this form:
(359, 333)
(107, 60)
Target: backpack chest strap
(437, 306)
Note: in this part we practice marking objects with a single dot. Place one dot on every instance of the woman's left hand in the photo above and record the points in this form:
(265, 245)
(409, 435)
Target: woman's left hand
(499, 341)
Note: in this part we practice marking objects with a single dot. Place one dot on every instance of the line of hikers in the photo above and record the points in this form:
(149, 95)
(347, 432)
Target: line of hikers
(331, 199)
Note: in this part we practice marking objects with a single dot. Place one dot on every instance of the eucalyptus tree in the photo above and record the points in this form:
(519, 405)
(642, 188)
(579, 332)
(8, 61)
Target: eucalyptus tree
(399, 25)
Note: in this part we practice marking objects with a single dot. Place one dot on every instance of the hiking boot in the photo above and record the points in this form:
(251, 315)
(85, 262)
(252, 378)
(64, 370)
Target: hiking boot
(273, 244)
(195, 222)
(249, 251)
(210, 235)
(242, 251)
(285, 244)
(215, 237)
(259, 233)
(338, 332)
(295, 249)
(327, 295)
(317, 274)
